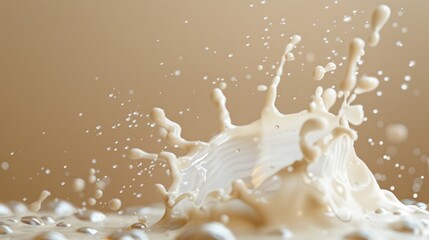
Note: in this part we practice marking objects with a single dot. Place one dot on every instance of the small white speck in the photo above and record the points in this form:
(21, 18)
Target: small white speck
(407, 78)
(347, 18)
(262, 88)
(399, 44)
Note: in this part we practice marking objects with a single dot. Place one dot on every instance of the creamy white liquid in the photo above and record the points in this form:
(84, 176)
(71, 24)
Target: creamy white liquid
(282, 176)
(319, 71)
(304, 161)
(35, 206)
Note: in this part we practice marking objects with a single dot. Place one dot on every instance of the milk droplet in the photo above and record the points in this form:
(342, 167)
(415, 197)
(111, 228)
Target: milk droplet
(379, 19)
(319, 71)
(92, 201)
(35, 206)
(399, 44)
(347, 18)
(396, 133)
(115, 204)
(262, 88)
(78, 185)
(98, 194)
(4, 165)
(407, 78)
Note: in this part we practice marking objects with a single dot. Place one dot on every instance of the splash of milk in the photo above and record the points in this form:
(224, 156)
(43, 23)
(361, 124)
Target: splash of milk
(282, 169)
(319, 71)
(35, 206)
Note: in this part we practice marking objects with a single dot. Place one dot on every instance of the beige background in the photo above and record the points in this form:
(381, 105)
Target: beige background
(107, 59)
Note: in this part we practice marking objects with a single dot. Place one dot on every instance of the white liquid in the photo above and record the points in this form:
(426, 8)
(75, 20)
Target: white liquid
(304, 161)
(379, 19)
(282, 176)
(262, 88)
(319, 71)
(35, 206)
(92, 201)
(98, 194)
(78, 185)
(115, 204)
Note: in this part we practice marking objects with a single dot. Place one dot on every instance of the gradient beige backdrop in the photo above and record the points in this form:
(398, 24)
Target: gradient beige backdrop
(71, 70)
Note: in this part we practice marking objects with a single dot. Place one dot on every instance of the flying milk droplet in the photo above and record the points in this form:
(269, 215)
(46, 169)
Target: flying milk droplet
(35, 206)
(379, 19)
(366, 84)
(319, 71)
(356, 50)
(329, 97)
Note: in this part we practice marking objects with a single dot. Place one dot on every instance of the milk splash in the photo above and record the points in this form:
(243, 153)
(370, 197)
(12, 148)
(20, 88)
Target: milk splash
(282, 170)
